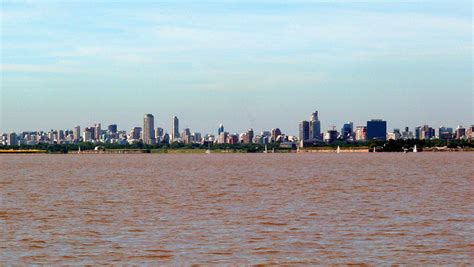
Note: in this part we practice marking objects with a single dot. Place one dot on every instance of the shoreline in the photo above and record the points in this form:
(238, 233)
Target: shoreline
(203, 151)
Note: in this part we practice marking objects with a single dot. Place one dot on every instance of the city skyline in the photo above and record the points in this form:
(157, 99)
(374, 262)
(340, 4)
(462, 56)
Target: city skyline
(245, 64)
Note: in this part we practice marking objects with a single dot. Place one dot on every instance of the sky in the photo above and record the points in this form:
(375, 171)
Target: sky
(246, 64)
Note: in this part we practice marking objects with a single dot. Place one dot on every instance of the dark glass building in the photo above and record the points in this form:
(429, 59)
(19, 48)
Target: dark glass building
(304, 130)
(377, 129)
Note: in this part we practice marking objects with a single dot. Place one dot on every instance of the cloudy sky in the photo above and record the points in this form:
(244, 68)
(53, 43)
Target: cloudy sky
(260, 64)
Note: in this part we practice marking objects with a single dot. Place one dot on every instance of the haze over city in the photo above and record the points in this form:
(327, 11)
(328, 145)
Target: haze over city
(243, 64)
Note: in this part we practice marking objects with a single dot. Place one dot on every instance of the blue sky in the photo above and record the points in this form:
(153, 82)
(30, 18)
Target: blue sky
(260, 64)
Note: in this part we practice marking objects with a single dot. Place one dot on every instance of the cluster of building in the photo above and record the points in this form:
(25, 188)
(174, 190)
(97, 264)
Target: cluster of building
(309, 134)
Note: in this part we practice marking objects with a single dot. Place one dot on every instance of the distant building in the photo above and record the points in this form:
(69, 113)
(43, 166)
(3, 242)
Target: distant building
(377, 130)
(314, 127)
(275, 134)
(347, 130)
(77, 133)
(175, 129)
(112, 128)
(460, 132)
(407, 134)
(250, 135)
(12, 139)
(395, 135)
(331, 136)
(87, 134)
(426, 133)
(149, 129)
(222, 137)
(361, 133)
(220, 129)
(97, 132)
(445, 133)
(304, 130)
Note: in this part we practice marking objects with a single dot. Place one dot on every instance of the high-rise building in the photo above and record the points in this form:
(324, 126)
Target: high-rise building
(377, 129)
(361, 133)
(149, 129)
(426, 132)
(77, 133)
(445, 133)
(12, 139)
(97, 131)
(347, 130)
(275, 134)
(460, 132)
(304, 130)
(250, 135)
(87, 134)
(220, 129)
(112, 128)
(135, 133)
(314, 127)
(175, 129)
(331, 136)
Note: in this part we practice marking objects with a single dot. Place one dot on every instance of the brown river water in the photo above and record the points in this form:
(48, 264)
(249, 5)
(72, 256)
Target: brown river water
(238, 209)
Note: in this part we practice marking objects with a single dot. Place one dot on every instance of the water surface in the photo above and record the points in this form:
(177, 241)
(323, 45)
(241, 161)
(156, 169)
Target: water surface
(237, 208)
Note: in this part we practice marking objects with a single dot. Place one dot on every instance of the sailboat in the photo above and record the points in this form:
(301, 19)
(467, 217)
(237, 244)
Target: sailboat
(266, 149)
(338, 150)
(79, 150)
(414, 149)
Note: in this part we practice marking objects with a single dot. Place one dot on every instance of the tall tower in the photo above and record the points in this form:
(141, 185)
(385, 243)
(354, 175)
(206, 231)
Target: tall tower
(175, 129)
(221, 129)
(314, 126)
(149, 129)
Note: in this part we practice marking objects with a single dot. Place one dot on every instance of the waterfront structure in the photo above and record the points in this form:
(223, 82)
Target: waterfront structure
(377, 130)
(314, 127)
(175, 129)
(149, 129)
(304, 131)
(361, 133)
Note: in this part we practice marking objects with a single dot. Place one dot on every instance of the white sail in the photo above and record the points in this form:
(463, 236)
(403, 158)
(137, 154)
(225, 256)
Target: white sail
(338, 150)
(414, 149)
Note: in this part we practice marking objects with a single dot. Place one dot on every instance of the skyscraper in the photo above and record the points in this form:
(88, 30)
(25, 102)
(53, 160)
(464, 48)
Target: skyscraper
(175, 129)
(377, 129)
(77, 133)
(149, 129)
(97, 131)
(112, 128)
(304, 130)
(220, 130)
(347, 130)
(314, 127)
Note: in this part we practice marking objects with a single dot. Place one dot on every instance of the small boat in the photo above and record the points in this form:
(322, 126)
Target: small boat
(266, 149)
(338, 150)
(414, 149)
(374, 150)
(79, 150)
